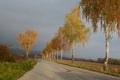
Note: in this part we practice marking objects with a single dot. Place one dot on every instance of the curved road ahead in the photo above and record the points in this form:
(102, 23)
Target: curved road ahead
(45, 70)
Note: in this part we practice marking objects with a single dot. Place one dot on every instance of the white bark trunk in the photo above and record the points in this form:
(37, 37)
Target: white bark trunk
(72, 52)
(57, 55)
(61, 46)
(47, 56)
(107, 36)
(61, 54)
(52, 56)
(27, 49)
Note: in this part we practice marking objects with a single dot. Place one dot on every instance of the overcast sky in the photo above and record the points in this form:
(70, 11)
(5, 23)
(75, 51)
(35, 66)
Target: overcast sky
(45, 16)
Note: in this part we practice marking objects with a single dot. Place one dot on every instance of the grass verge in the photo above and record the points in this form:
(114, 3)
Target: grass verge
(113, 70)
(14, 70)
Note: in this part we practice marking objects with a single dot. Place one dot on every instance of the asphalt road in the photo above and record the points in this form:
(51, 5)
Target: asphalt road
(45, 70)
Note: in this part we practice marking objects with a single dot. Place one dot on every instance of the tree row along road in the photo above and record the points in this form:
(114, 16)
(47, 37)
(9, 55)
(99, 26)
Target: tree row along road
(46, 70)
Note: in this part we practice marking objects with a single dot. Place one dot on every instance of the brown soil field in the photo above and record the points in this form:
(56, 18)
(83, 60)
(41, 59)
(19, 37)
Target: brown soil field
(93, 66)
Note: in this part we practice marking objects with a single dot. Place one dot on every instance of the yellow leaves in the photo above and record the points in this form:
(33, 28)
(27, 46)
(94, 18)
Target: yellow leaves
(31, 33)
(76, 10)
(105, 11)
(57, 43)
(74, 16)
(27, 39)
(74, 29)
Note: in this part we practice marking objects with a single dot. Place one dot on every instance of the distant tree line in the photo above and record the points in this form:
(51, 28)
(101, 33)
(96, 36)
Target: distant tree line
(99, 60)
(110, 61)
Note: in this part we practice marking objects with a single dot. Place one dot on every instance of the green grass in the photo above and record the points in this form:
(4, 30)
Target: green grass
(112, 69)
(14, 70)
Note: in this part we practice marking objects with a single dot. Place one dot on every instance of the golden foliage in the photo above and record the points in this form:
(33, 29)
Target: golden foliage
(107, 12)
(27, 39)
(74, 29)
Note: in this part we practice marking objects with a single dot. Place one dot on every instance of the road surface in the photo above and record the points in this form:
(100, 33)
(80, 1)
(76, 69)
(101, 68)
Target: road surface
(46, 70)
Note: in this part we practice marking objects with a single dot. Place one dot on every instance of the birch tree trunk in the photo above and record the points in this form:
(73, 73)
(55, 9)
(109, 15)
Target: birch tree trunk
(57, 55)
(27, 49)
(61, 46)
(61, 54)
(52, 56)
(72, 52)
(107, 37)
(47, 56)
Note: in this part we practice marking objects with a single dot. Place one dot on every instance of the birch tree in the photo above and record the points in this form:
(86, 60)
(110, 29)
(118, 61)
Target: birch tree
(74, 29)
(27, 39)
(51, 46)
(57, 43)
(105, 12)
(64, 46)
